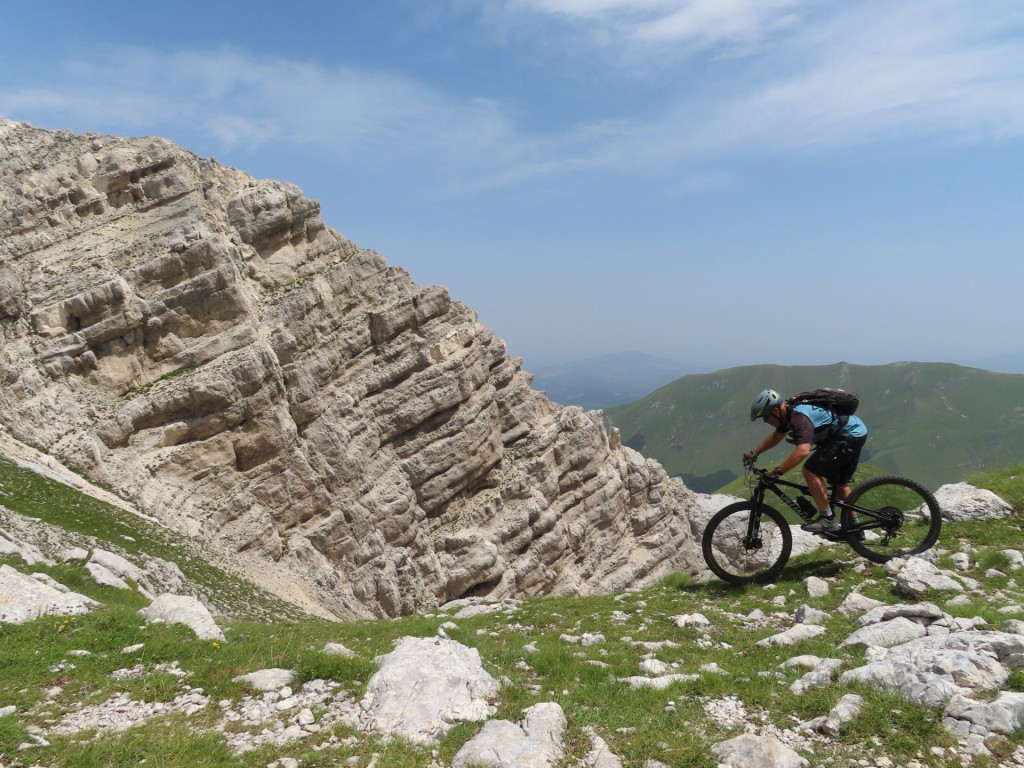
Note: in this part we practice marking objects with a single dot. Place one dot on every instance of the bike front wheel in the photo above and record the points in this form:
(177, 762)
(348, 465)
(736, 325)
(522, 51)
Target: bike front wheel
(746, 543)
(895, 517)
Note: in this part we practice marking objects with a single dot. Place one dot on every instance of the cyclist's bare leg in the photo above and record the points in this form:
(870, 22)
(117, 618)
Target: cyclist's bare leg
(819, 492)
(842, 493)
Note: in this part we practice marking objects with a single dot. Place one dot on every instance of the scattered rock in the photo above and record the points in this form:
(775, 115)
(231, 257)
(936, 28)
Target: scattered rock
(933, 669)
(658, 683)
(793, 635)
(816, 587)
(654, 667)
(750, 751)
(600, 754)
(886, 633)
(807, 615)
(696, 620)
(822, 674)
(183, 609)
(536, 742)
(920, 613)
(962, 501)
(23, 598)
(1003, 715)
(847, 708)
(855, 603)
(120, 712)
(918, 577)
(104, 577)
(273, 679)
(117, 565)
(337, 649)
(425, 686)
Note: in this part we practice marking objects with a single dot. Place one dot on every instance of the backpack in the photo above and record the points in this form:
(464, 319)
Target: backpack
(839, 401)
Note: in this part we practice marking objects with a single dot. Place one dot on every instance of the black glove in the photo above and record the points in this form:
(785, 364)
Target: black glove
(750, 457)
(772, 476)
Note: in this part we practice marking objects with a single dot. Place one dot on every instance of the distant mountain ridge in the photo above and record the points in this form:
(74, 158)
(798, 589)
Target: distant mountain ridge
(999, 364)
(935, 422)
(607, 380)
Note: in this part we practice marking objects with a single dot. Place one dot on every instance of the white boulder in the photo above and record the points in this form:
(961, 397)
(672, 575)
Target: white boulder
(426, 685)
(23, 598)
(183, 609)
(962, 501)
(750, 751)
(536, 742)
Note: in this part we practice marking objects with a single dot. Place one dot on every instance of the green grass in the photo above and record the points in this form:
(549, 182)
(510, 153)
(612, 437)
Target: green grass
(41, 677)
(670, 725)
(160, 743)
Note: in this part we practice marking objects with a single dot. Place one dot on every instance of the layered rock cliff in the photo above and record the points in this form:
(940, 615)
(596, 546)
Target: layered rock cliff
(202, 343)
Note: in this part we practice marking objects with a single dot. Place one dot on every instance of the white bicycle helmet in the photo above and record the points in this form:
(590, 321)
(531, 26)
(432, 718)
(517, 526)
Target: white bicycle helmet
(763, 403)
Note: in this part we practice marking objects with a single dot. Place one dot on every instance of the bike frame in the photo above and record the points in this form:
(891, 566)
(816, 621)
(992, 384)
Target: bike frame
(762, 487)
(868, 518)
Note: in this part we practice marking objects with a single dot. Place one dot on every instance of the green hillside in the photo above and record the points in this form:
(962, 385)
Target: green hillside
(935, 422)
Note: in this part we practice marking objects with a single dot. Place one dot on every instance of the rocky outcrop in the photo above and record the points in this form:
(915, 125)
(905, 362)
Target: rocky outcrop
(202, 343)
(962, 501)
(23, 598)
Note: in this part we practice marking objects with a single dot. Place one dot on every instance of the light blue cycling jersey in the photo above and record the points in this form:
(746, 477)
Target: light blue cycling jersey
(824, 421)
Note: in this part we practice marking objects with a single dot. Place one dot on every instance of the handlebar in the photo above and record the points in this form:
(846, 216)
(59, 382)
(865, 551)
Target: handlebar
(760, 472)
(751, 466)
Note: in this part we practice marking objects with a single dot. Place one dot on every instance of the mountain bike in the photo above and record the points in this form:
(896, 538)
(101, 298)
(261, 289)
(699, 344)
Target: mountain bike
(884, 517)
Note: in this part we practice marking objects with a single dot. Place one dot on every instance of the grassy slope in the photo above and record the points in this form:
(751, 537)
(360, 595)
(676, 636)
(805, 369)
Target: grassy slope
(934, 422)
(33, 495)
(671, 725)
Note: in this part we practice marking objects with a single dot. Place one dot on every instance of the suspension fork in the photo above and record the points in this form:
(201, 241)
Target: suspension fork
(754, 520)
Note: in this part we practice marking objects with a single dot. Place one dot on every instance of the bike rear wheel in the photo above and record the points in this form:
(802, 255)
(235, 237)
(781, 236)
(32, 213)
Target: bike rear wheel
(747, 544)
(898, 517)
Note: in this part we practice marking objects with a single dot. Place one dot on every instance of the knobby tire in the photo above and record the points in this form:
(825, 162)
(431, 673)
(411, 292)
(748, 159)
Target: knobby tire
(906, 519)
(736, 563)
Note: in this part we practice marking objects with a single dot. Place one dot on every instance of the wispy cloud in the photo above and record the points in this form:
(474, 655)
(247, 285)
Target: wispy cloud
(909, 73)
(695, 22)
(247, 100)
(833, 77)
(820, 77)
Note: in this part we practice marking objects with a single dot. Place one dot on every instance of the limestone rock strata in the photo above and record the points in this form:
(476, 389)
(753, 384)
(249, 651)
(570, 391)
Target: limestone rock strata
(201, 342)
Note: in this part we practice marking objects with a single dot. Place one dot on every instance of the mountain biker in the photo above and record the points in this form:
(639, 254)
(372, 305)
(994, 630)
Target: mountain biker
(837, 443)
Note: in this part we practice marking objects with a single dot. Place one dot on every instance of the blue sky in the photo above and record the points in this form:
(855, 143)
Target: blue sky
(721, 182)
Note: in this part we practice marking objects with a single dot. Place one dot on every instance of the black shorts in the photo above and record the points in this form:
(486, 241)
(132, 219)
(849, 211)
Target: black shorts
(836, 459)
